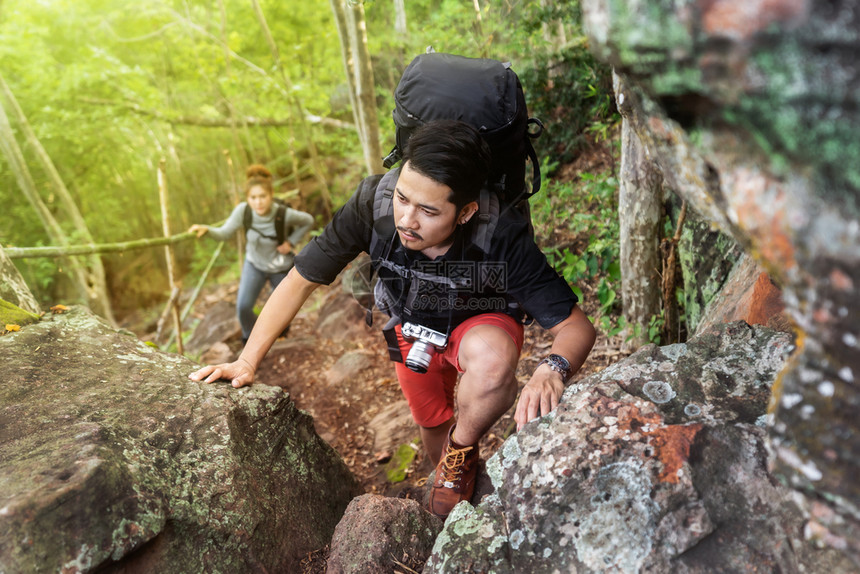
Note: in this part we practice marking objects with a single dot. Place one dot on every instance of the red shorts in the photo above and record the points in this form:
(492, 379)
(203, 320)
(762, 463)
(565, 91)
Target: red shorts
(431, 395)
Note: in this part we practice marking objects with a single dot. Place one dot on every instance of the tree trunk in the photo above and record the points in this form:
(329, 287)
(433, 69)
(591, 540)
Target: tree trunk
(639, 207)
(97, 296)
(173, 304)
(9, 147)
(400, 27)
(338, 8)
(231, 112)
(479, 28)
(671, 272)
(299, 110)
(365, 91)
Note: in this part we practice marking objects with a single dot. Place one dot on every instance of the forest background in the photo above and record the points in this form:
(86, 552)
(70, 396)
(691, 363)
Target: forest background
(98, 95)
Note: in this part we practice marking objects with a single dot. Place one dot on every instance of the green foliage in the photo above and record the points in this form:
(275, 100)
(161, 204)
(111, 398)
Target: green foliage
(591, 205)
(95, 79)
(655, 329)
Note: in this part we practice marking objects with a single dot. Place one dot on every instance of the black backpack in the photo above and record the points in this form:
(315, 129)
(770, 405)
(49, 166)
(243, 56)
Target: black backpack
(280, 217)
(483, 92)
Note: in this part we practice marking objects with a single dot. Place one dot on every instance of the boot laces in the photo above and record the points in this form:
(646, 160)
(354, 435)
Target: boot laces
(454, 461)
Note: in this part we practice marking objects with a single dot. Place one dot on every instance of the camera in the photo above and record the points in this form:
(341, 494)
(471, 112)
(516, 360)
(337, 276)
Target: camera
(425, 342)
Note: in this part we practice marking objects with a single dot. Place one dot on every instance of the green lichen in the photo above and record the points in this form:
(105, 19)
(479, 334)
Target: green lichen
(13, 315)
(395, 470)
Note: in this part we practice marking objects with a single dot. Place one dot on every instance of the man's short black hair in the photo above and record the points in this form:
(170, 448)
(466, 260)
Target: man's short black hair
(452, 153)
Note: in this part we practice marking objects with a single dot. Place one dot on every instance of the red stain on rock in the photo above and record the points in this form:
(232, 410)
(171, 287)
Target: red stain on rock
(761, 204)
(748, 295)
(742, 19)
(672, 447)
(670, 443)
(841, 281)
(765, 301)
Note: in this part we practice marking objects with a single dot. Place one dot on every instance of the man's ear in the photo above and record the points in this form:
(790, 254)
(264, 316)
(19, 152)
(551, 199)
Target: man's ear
(467, 212)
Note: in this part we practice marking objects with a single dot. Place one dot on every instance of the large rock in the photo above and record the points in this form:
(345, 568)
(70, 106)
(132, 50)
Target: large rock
(114, 461)
(656, 464)
(218, 325)
(752, 111)
(379, 535)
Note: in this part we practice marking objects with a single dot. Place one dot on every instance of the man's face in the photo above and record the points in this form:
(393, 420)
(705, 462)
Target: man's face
(424, 217)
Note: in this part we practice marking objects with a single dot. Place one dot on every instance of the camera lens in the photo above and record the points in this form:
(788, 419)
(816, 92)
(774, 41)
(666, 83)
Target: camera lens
(419, 356)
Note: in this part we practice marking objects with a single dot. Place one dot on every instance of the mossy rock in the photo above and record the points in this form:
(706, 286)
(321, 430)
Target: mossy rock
(13, 315)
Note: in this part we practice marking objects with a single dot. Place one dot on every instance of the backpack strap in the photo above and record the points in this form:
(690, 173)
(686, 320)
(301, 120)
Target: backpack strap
(383, 209)
(280, 220)
(382, 230)
(247, 217)
(487, 220)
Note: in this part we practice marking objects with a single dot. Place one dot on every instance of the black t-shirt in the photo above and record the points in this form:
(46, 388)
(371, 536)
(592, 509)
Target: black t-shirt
(514, 274)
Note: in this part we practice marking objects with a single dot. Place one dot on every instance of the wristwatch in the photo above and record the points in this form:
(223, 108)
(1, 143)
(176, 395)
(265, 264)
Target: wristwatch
(558, 364)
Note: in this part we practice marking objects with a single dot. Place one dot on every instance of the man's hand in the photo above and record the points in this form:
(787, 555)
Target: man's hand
(239, 373)
(285, 248)
(540, 395)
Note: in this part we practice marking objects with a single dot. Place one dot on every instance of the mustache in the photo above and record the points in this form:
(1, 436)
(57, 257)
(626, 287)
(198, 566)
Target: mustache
(409, 232)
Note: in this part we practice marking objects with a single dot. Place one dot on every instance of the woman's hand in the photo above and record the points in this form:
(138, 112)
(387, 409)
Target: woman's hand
(239, 373)
(285, 248)
(199, 230)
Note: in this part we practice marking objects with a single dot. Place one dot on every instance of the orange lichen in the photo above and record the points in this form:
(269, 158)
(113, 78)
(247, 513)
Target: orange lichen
(742, 20)
(841, 281)
(672, 447)
(670, 443)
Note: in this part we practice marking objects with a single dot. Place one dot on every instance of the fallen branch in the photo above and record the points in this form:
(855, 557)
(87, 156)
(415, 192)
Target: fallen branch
(89, 249)
(217, 122)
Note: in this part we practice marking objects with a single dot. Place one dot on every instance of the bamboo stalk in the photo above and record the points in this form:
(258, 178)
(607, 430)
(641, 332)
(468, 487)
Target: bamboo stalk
(89, 249)
(168, 309)
(187, 309)
(234, 198)
(168, 251)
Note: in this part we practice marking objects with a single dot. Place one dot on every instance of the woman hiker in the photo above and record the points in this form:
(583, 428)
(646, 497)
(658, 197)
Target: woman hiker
(271, 231)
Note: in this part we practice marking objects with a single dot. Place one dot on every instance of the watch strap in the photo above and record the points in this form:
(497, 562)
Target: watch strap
(558, 364)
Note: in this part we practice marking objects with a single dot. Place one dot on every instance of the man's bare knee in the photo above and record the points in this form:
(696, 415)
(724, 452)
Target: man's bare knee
(490, 354)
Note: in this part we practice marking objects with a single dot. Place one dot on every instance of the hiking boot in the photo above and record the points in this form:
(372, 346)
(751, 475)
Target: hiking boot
(455, 477)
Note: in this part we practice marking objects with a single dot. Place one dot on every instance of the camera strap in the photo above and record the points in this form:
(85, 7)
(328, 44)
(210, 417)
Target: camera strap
(391, 341)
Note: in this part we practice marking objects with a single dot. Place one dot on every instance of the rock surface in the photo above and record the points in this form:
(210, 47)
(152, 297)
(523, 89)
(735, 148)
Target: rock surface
(113, 461)
(378, 534)
(656, 464)
(752, 111)
(218, 325)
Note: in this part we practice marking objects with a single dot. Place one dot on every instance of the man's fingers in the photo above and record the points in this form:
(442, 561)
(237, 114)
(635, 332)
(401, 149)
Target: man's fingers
(241, 381)
(545, 404)
(534, 408)
(199, 374)
(216, 374)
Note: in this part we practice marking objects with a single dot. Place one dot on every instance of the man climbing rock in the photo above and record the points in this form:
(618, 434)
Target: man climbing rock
(457, 283)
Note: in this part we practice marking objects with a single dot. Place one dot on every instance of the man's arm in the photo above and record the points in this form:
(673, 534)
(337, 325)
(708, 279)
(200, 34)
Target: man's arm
(277, 313)
(573, 339)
